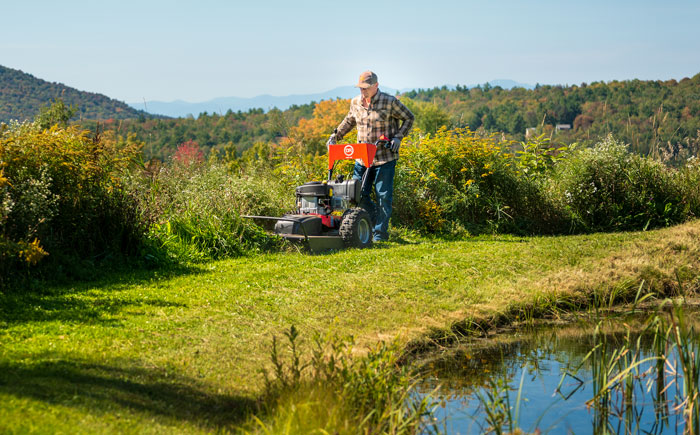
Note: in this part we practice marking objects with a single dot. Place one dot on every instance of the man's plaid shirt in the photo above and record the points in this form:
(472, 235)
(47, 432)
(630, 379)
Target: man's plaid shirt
(380, 118)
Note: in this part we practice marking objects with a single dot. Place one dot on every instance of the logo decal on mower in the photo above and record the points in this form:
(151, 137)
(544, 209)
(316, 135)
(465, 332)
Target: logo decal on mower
(348, 150)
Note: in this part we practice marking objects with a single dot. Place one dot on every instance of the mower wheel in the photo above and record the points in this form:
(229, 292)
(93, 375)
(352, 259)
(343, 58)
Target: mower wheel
(356, 228)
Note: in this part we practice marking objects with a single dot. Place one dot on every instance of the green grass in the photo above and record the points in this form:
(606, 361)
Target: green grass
(144, 351)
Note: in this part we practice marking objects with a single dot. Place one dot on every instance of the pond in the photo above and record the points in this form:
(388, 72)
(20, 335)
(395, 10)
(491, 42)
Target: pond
(623, 374)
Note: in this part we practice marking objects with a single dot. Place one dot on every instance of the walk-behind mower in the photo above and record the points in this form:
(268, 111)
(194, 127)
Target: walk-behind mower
(328, 214)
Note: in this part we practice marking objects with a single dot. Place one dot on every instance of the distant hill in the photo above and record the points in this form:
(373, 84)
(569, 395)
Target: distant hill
(222, 105)
(22, 95)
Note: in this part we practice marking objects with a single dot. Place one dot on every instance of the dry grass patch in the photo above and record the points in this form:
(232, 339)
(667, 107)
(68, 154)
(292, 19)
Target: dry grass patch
(665, 262)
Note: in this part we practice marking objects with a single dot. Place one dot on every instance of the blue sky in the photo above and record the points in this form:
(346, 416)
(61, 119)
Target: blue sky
(199, 50)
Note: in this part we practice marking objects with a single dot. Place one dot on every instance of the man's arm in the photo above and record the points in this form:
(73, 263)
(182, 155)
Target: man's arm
(406, 116)
(345, 126)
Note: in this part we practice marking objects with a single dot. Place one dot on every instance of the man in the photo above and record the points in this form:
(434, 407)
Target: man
(376, 114)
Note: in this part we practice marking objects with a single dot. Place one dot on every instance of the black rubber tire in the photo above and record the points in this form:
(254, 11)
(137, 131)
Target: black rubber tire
(371, 208)
(356, 228)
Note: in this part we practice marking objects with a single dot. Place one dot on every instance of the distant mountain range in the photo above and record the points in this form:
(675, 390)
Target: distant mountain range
(22, 95)
(181, 108)
(221, 105)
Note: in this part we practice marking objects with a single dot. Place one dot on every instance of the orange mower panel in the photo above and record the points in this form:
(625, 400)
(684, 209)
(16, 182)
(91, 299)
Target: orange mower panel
(352, 151)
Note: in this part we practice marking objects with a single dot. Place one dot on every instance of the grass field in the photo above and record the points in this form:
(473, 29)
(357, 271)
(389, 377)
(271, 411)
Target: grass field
(180, 350)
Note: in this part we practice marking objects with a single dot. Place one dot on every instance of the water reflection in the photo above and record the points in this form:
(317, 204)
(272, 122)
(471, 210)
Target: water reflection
(622, 375)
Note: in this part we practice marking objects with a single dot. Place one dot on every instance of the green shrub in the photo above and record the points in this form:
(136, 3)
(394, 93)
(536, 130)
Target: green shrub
(607, 188)
(61, 194)
(456, 180)
(687, 178)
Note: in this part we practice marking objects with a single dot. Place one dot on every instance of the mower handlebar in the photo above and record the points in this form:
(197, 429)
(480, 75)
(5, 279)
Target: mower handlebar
(383, 143)
(362, 151)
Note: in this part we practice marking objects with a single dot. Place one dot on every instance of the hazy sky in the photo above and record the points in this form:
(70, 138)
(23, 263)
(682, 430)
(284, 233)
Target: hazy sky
(199, 50)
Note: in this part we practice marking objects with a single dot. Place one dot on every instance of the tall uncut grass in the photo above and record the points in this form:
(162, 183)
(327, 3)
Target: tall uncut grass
(195, 210)
(66, 193)
(457, 179)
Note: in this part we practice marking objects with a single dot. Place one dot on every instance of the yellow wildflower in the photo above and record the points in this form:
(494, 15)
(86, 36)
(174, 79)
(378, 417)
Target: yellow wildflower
(33, 252)
(3, 179)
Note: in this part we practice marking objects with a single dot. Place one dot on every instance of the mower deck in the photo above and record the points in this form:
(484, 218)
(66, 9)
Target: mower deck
(316, 243)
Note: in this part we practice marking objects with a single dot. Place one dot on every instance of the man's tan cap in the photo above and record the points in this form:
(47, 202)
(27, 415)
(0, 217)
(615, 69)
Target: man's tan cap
(367, 79)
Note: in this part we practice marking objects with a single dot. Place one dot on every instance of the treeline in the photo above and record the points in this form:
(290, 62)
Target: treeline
(22, 95)
(232, 132)
(651, 116)
(661, 118)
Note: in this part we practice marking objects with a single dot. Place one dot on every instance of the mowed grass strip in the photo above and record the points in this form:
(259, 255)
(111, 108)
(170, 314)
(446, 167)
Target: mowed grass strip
(154, 351)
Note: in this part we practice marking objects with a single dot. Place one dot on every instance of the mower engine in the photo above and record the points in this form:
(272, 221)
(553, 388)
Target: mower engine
(324, 198)
(326, 202)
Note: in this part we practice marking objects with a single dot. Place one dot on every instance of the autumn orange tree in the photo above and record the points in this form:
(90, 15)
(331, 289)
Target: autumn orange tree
(301, 154)
(310, 135)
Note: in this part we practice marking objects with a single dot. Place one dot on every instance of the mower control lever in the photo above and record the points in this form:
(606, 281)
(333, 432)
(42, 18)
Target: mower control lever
(383, 141)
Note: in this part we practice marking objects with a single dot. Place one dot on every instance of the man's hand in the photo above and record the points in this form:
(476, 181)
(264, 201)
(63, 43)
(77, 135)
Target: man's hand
(331, 140)
(395, 144)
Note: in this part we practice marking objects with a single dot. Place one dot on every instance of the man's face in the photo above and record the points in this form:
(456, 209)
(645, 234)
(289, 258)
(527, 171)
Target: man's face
(369, 92)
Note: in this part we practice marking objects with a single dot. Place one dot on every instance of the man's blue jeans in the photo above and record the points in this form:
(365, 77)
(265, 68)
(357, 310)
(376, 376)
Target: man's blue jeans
(381, 180)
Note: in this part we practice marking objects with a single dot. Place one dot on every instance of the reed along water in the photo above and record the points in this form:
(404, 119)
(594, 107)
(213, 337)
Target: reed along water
(618, 374)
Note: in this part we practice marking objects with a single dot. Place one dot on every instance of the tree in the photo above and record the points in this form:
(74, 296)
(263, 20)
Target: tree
(188, 154)
(311, 134)
(488, 121)
(429, 116)
(55, 114)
